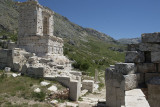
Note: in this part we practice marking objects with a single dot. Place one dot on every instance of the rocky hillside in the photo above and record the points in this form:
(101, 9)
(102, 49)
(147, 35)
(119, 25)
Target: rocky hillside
(8, 16)
(88, 48)
(130, 41)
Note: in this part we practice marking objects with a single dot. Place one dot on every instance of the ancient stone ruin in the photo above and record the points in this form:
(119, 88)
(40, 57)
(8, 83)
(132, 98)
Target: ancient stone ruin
(38, 53)
(138, 79)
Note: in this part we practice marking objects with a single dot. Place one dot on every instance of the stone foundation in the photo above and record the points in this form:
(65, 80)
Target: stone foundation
(141, 70)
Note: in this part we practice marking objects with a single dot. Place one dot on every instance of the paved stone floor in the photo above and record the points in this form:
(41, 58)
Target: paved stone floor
(135, 98)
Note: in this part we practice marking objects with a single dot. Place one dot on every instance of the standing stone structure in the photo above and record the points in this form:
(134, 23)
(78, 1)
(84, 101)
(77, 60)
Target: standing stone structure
(39, 53)
(36, 29)
(140, 70)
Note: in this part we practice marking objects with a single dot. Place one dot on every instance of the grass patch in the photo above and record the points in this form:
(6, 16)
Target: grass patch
(39, 96)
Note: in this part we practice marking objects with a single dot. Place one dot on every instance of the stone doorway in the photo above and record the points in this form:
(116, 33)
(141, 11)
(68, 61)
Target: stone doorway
(45, 26)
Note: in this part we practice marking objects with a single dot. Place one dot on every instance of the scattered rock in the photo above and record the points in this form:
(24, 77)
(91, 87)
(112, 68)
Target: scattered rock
(7, 69)
(14, 75)
(44, 83)
(54, 102)
(96, 86)
(69, 104)
(37, 90)
(52, 88)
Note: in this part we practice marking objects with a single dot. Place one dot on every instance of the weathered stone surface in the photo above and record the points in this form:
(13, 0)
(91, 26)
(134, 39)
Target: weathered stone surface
(133, 47)
(131, 81)
(34, 71)
(155, 57)
(151, 37)
(140, 78)
(7, 69)
(135, 98)
(153, 92)
(150, 76)
(146, 67)
(134, 57)
(88, 84)
(125, 68)
(5, 58)
(149, 47)
(115, 86)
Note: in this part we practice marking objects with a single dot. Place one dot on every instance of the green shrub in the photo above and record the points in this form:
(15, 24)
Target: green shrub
(81, 65)
(39, 96)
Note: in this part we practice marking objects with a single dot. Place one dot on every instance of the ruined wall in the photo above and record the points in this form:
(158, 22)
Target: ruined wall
(141, 67)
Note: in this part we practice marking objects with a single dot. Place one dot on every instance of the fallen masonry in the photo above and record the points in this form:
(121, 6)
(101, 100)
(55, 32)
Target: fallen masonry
(136, 83)
(38, 53)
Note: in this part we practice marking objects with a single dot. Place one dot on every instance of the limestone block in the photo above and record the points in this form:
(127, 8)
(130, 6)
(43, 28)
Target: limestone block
(133, 47)
(150, 76)
(88, 84)
(125, 68)
(34, 71)
(111, 96)
(151, 37)
(155, 57)
(131, 81)
(153, 92)
(134, 57)
(149, 47)
(146, 67)
(73, 85)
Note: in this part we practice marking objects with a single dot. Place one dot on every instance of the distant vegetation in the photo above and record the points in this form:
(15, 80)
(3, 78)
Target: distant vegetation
(86, 47)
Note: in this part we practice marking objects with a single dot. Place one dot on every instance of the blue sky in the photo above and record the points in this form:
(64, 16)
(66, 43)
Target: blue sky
(117, 18)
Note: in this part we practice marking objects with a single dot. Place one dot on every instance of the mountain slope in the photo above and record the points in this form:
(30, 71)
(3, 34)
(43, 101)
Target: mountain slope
(130, 41)
(88, 48)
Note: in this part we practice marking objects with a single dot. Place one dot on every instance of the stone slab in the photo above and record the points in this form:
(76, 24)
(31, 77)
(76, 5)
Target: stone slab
(149, 47)
(135, 98)
(146, 67)
(134, 57)
(151, 37)
(155, 57)
(125, 68)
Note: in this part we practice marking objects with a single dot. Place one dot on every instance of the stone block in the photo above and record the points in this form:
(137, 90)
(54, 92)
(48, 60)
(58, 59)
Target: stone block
(111, 97)
(133, 47)
(34, 71)
(155, 57)
(149, 47)
(140, 78)
(146, 67)
(134, 57)
(131, 81)
(88, 84)
(150, 76)
(125, 68)
(154, 92)
(113, 78)
(151, 37)
(73, 85)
